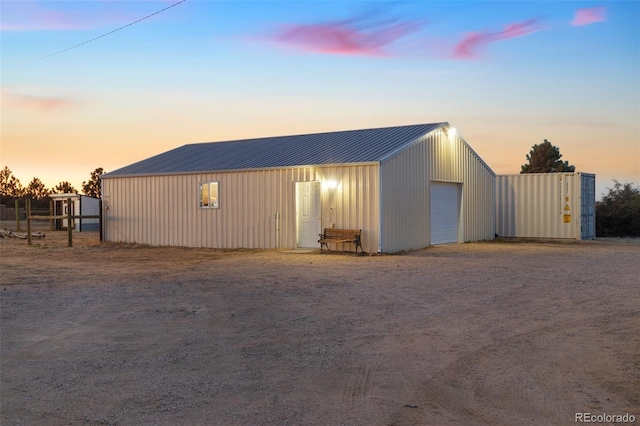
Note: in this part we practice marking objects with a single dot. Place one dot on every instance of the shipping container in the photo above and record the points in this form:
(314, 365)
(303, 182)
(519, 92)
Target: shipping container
(546, 205)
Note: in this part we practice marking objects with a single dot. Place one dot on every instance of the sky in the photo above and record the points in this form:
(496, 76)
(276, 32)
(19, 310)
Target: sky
(88, 84)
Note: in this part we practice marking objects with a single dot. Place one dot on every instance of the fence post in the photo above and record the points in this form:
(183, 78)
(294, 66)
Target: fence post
(100, 219)
(69, 234)
(17, 204)
(51, 221)
(28, 208)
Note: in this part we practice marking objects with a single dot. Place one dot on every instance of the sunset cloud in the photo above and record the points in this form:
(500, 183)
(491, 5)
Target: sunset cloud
(357, 36)
(11, 98)
(589, 16)
(30, 16)
(473, 42)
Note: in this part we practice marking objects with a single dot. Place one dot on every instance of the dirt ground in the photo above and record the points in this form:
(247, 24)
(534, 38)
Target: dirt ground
(495, 333)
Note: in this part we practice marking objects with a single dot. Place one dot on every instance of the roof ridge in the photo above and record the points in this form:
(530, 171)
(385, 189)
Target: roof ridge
(317, 133)
(336, 147)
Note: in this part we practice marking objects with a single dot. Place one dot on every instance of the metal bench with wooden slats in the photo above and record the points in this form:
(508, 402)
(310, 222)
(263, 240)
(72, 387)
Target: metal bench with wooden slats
(339, 236)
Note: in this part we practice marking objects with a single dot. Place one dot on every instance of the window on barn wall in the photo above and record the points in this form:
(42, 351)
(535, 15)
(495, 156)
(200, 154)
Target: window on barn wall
(209, 195)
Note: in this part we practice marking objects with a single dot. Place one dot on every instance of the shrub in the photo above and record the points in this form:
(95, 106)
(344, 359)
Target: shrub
(618, 214)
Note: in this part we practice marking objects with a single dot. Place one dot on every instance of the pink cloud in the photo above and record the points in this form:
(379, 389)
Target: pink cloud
(36, 103)
(350, 37)
(471, 43)
(29, 16)
(589, 16)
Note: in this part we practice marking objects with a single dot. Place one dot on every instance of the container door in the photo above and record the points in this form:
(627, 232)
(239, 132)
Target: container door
(445, 212)
(308, 213)
(588, 207)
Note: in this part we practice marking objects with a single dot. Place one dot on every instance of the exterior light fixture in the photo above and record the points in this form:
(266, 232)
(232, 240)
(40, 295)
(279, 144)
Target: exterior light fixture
(331, 184)
(449, 130)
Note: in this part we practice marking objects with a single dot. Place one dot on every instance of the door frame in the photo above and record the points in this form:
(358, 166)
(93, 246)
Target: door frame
(458, 216)
(297, 209)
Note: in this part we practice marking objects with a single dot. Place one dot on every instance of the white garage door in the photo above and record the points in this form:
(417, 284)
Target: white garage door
(444, 213)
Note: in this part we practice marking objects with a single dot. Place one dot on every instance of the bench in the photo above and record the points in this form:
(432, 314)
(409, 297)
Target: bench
(335, 235)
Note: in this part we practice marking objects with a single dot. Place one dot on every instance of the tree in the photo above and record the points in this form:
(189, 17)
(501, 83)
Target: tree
(545, 158)
(64, 187)
(618, 214)
(36, 189)
(10, 186)
(92, 188)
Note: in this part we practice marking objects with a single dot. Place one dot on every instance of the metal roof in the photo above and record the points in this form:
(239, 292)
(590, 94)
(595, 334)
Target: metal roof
(351, 146)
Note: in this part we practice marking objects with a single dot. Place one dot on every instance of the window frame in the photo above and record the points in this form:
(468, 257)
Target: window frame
(209, 185)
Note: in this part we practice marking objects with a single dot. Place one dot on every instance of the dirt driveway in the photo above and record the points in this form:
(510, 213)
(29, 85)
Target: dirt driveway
(470, 334)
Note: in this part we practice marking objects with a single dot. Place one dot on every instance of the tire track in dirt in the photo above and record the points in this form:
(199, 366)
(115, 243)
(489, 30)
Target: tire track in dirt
(377, 393)
(447, 336)
(527, 378)
(356, 386)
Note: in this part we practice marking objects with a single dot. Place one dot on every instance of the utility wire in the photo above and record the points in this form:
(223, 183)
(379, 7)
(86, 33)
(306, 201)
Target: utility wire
(106, 34)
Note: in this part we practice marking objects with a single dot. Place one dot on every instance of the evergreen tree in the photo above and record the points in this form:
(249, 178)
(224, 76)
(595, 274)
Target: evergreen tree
(92, 188)
(10, 186)
(36, 189)
(64, 187)
(545, 158)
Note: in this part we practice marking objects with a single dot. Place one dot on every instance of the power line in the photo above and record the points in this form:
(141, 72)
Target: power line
(106, 34)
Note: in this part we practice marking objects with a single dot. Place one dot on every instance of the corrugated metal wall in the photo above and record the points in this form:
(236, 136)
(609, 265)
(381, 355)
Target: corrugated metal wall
(353, 204)
(89, 206)
(406, 181)
(545, 205)
(163, 210)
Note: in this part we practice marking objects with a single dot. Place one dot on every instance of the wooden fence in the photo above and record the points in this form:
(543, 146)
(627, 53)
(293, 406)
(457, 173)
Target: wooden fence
(68, 216)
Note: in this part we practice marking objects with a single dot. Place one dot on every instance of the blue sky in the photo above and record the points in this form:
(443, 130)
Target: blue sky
(507, 74)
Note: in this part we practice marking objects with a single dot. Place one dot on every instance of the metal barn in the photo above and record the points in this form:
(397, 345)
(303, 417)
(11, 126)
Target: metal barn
(406, 187)
(546, 205)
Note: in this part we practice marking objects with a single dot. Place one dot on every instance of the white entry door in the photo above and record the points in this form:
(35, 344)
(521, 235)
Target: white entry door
(444, 212)
(308, 213)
